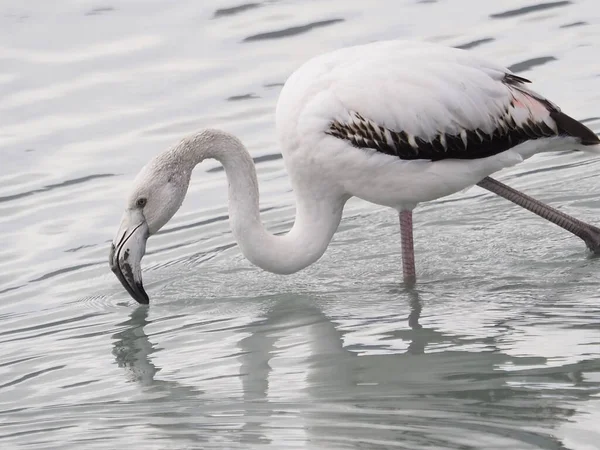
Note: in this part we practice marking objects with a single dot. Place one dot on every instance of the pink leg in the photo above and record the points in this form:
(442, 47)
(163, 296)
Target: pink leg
(408, 252)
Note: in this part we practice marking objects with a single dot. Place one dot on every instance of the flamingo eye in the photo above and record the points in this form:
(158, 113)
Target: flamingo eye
(141, 202)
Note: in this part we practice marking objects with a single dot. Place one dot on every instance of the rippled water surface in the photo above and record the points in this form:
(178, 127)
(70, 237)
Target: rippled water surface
(498, 346)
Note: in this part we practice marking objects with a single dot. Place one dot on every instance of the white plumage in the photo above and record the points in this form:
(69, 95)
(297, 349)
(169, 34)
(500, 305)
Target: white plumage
(395, 123)
(422, 89)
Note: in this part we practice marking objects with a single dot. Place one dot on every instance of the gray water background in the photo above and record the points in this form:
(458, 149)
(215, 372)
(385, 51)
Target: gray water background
(497, 347)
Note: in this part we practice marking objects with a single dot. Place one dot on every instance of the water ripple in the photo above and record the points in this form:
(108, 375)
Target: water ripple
(530, 9)
(524, 66)
(99, 10)
(292, 31)
(475, 43)
(51, 187)
(236, 9)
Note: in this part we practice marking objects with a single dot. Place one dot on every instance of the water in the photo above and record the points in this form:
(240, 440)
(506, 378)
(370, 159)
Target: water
(497, 347)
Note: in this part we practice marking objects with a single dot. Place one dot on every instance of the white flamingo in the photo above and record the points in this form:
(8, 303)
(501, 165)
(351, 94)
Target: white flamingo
(394, 123)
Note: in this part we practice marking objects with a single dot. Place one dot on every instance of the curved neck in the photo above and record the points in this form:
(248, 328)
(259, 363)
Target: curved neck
(317, 215)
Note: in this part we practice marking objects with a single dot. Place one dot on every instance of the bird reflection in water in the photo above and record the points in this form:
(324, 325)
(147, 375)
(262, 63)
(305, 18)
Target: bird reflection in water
(132, 348)
(302, 381)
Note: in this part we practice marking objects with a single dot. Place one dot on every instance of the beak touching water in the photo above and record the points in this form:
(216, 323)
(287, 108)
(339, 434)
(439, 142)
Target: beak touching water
(126, 252)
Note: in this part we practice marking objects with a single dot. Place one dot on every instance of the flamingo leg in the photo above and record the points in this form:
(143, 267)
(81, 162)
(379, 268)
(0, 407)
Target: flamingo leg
(588, 233)
(408, 251)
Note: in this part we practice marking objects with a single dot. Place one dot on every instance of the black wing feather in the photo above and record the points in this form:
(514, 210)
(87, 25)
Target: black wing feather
(363, 133)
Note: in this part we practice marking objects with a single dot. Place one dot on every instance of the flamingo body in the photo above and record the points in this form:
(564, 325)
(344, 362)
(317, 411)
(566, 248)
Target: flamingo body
(421, 92)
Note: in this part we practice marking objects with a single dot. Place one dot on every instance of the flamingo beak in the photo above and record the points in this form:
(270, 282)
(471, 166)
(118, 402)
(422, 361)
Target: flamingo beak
(126, 253)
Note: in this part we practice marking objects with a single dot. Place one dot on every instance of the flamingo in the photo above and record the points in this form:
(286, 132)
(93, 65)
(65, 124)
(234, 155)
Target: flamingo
(395, 123)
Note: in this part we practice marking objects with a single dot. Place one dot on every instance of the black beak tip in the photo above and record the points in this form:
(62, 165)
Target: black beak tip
(141, 297)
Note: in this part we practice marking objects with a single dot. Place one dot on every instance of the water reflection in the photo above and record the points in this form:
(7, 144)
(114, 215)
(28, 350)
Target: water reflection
(172, 409)
(132, 348)
(300, 381)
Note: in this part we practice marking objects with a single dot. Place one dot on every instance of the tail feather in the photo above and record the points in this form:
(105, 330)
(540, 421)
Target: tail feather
(566, 125)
